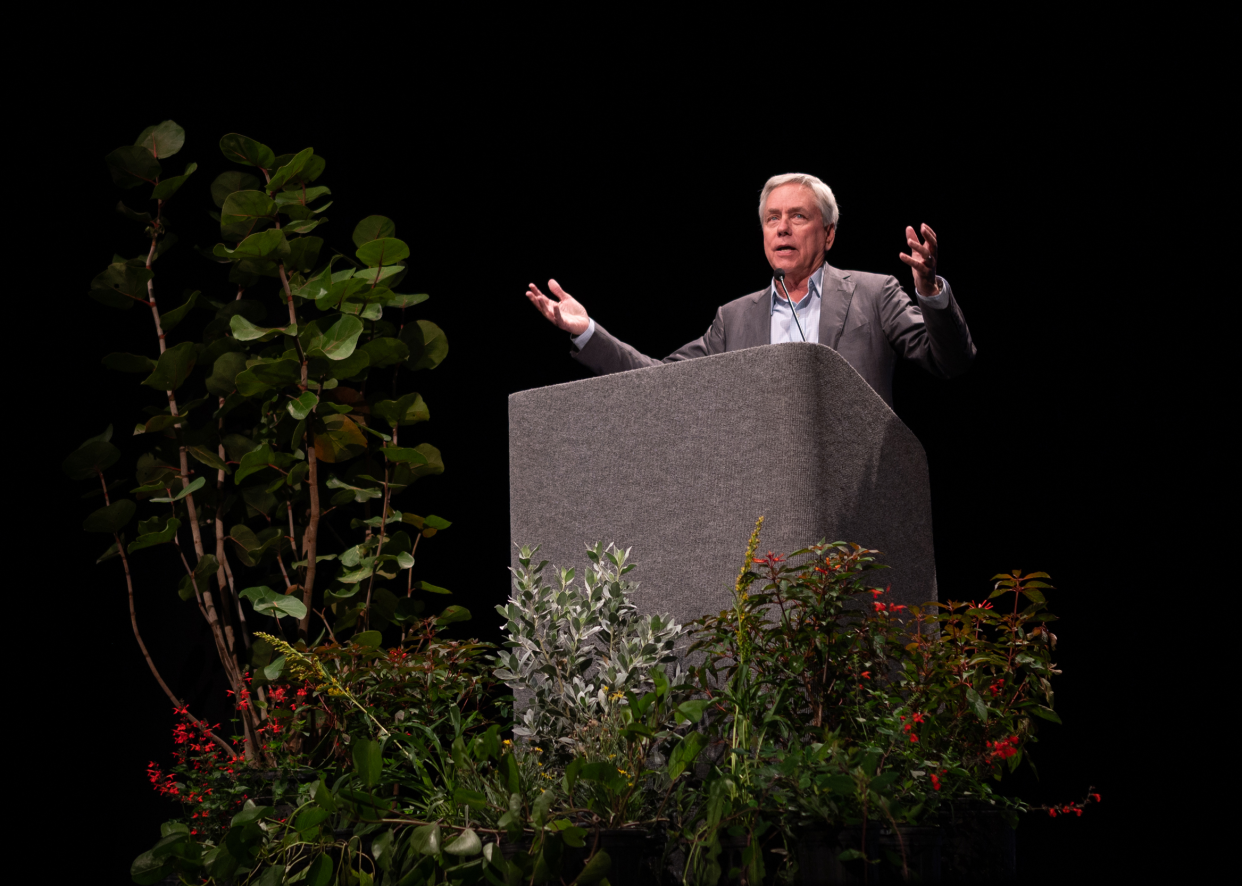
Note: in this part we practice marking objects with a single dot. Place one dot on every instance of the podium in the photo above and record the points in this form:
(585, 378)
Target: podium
(677, 461)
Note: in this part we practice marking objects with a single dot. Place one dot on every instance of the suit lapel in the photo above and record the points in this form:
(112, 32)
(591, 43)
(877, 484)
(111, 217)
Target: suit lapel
(834, 305)
(756, 327)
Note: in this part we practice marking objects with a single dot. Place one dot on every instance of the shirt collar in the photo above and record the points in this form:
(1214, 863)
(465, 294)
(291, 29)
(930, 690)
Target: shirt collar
(813, 288)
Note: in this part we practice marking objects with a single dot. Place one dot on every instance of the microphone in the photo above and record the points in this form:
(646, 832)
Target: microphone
(779, 274)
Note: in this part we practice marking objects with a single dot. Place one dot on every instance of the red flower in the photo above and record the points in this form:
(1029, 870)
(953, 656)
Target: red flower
(1052, 812)
(914, 738)
(935, 780)
(866, 675)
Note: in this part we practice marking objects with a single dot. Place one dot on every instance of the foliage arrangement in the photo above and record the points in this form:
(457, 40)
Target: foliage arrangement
(837, 708)
(264, 436)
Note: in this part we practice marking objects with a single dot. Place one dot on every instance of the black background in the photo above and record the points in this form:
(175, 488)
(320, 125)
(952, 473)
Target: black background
(638, 192)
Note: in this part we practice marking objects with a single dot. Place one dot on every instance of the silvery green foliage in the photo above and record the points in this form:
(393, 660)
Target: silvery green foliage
(571, 647)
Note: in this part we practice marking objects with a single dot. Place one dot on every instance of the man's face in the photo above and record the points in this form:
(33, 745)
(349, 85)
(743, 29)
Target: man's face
(793, 231)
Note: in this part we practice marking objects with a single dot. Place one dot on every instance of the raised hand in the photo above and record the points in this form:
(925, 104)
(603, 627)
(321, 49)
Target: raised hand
(922, 260)
(566, 312)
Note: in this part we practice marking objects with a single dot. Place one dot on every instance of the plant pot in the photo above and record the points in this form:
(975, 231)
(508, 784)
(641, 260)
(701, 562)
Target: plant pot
(635, 856)
(819, 848)
(772, 860)
(978, 845)
(909, 855)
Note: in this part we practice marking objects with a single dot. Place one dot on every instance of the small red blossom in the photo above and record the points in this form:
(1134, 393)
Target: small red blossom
(866, 675)
(935, 780)
(914, 738)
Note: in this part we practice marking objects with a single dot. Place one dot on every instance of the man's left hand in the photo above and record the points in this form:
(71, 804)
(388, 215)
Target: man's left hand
(922, 260)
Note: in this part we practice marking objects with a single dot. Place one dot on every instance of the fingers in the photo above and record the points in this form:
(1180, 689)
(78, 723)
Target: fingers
(930, 236)
(919, 264)
(916, 246)
(558, 291)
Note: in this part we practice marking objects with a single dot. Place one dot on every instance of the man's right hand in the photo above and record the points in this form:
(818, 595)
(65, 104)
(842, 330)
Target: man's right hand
(565, 312)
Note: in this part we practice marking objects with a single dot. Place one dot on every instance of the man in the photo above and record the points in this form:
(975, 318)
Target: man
(867, 318)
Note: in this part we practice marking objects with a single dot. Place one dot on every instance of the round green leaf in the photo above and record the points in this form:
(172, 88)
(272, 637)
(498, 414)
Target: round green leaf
(245, 212)
(112, 518)
(287, 172)
(384, 251)
(169, 186)
(131, 166)
(467, 843)
(91, 458)
(173, 367)
(340, 440)
(247, 151)
(233, 180)
(373, 227)
(163, 139)
(339, 341)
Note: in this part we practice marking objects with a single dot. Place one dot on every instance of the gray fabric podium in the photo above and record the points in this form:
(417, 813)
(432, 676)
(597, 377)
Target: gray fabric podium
(677, 461)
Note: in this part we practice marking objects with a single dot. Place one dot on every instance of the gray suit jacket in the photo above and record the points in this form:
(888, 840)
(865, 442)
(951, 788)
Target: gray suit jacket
(867, 318)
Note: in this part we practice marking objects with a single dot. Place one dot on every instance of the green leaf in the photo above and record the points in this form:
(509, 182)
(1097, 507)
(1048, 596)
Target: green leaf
(693, 710)
(402, 300)
(473, 799)
(247, 151)
(384, 251)
(686, 752)
(121, 285)
(425, 840)
(265, 245)
(234, 180)
(338, 291)
(245, 212)
(111, 518)
(596, 869)
(169, 320)
(173, 367)
(427, 343)
(302, 406)
(259, 378)
(320, 871)
(149, 539)
(163, 139)
(339, 341)
(303, 251)
(408, 410)
(453, 614)
(975, 701)
(132, 165)
(435, 589)
(268, 602)
(244, 330)
(254, 461)
(166, 188)
(1045, 713)
(405, 455)
(351, 366)
(340, 441)
(186, 490)
(368, 760)
(369, 639)
(386, 351)
(1033, 595)
(92, 457)
(373, 227)
(222, 380)
(290, 170)
(466, 844)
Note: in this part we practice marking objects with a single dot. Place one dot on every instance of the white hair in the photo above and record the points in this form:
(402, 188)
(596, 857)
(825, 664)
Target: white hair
(823, 194)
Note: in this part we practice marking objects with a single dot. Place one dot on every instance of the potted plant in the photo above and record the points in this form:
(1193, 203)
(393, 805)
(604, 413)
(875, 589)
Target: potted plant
(843, 714)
